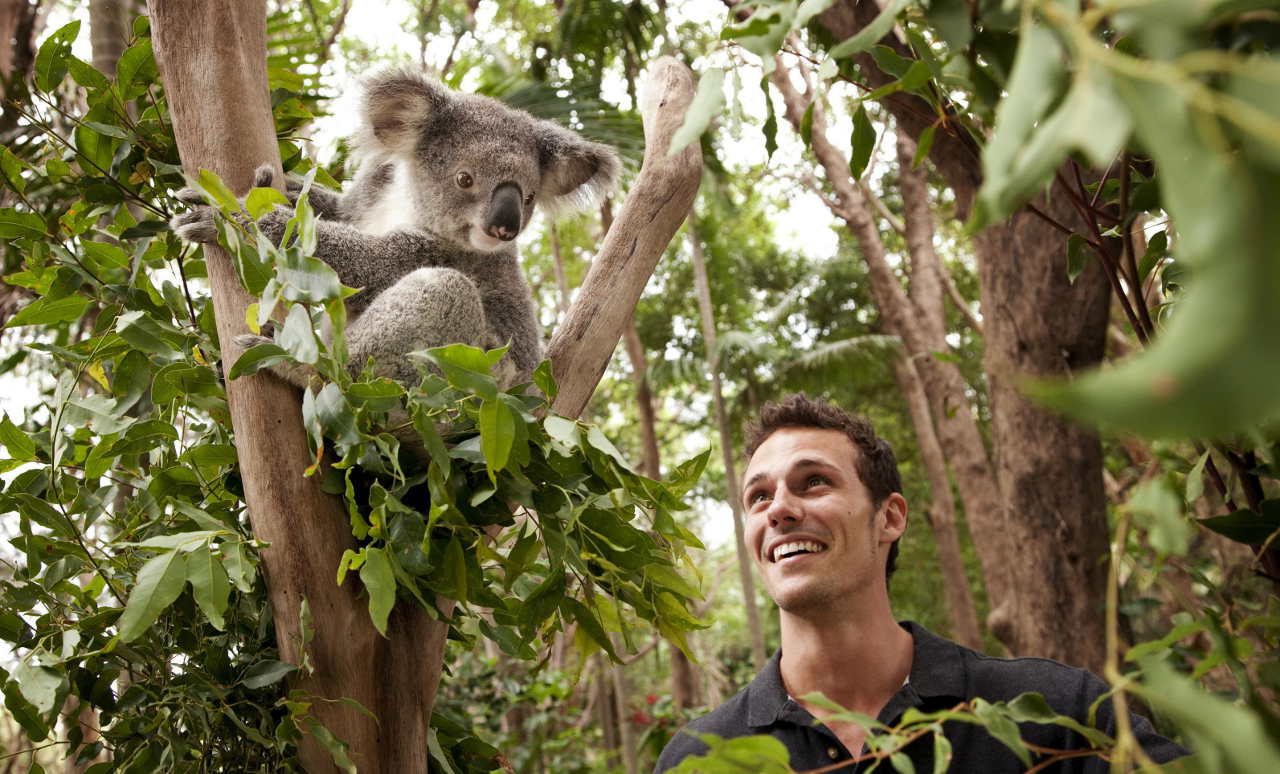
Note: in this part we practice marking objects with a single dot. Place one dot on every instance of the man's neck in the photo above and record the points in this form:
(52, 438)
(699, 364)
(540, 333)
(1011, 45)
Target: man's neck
(859, 660)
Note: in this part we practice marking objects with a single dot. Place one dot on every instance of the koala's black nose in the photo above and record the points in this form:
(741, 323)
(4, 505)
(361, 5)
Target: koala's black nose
(503, 218)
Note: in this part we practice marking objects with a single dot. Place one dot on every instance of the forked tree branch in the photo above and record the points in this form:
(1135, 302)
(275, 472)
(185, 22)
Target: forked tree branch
(656, 206)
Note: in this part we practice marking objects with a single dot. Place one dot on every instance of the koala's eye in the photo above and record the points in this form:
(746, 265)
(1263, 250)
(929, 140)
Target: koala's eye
(528, 200)
(463, 179)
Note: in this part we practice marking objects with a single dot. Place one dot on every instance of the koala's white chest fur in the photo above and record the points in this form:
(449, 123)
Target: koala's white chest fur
(390, 212)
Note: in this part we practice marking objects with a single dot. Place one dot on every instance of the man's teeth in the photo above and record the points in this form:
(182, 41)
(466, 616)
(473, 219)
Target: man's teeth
(780, 552)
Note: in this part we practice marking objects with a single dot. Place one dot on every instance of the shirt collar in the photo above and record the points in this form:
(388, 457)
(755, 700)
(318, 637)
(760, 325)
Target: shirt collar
(937, 670)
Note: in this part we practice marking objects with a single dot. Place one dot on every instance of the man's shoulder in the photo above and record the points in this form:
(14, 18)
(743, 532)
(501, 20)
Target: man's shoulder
(948, 668)
(1001, 679)
(728, 720)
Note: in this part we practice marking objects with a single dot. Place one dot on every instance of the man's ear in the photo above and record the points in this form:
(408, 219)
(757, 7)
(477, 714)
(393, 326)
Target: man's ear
(397, 104)
(576, 173)
(894, 510)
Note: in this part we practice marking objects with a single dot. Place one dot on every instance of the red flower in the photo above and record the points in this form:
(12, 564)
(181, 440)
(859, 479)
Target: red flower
(651, 698)
(641, 718)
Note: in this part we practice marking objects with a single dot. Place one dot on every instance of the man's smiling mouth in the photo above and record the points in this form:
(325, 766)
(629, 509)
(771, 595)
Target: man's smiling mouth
(795, 548)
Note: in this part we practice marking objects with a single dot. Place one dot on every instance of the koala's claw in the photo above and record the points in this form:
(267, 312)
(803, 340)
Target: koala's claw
(249, 340)
(196, 226)
(263, 176)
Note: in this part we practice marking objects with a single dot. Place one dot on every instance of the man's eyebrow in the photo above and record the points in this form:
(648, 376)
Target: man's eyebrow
(799, 464)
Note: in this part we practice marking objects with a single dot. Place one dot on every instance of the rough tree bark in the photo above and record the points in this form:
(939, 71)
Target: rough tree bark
(1037, 324)
(726, 447)
(919, 321)
(684, 684)
(109, 32)
(655, 207)
(212, 58)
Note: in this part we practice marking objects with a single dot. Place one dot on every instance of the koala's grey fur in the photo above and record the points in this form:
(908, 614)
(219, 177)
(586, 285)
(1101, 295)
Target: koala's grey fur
(448, 272)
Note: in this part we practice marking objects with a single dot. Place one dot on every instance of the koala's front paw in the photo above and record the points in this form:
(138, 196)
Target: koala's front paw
(197, 224)
(250, 340)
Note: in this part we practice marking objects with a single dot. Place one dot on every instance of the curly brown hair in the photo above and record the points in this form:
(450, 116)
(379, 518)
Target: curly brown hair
(874, 460)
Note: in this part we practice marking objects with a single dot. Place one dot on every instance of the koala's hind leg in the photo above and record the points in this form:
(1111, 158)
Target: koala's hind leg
(429, 307)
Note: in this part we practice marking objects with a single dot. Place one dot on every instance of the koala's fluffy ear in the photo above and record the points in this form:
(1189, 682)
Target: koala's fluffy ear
(397, 104)
(575, 172)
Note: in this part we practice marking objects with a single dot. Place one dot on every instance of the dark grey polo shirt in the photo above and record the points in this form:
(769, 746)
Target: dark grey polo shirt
(943, 674)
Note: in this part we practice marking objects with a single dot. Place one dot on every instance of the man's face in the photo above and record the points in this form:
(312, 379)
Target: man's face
(815, 536)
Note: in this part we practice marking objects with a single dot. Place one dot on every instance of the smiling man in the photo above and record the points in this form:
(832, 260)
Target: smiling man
(824, 512)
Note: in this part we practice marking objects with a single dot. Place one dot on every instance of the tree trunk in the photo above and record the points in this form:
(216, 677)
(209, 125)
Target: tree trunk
(961, 612)
(626, 732)
(212, 58)
(1038, 324)
(213, 64)
(655, 207)
(922, 328)
(684, 686)
(109, 31)
(726, 447)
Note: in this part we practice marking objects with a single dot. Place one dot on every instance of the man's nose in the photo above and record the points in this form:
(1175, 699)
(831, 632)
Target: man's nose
(784, 507)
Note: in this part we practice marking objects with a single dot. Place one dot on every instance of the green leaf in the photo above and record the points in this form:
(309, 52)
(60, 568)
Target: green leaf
(707, 104)
(310, 280)
(17, 444)
(216, 191)
(157, 585)
(12, 167)
(1037, 76)
(265, 673)
(497, 432)
(545, 380)
(51, 60)
(298, 337)
(20, 225)
(256, 358)
(260, 201)
(589, 623)
(209, 584)
(924, 146)
(941, 753)
(1078, 255)
(44, 311)
(453, 572)
(1032, 708)
(136, 69)
(380, 581)
(464, 367)
(1246, 526)
(40, 685)
(240, 569)
(22, 710)
(1091, 119)
(148, 335)
(1195, 479)
(863, 142)
(86, 75)
(1210, 373)
(1157, 248)
(998, 724)
(336, 747)
(902, 764)
(806, 124)
(869, 35)
(758, 754)
(1167, 526)
(1234, 735)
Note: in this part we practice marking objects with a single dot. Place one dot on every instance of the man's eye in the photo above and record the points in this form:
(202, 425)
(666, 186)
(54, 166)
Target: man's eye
(755, 497)
(816, 481)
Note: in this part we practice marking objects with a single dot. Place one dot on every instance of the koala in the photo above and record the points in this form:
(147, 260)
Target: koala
(445, 183)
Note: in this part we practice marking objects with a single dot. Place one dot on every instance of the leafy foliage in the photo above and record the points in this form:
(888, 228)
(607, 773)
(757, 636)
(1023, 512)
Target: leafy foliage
(136, 593)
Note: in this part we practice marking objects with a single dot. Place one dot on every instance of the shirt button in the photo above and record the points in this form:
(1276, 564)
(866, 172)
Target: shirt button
(833, 753)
